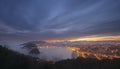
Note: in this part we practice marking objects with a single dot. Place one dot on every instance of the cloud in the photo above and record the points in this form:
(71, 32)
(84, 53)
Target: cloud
(51, 19)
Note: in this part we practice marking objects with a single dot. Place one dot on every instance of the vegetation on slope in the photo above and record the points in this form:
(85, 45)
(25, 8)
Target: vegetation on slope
(13, 60)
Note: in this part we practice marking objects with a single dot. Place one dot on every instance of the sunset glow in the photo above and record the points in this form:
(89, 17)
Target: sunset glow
(49, 41)
(89, 38)
(96, 38)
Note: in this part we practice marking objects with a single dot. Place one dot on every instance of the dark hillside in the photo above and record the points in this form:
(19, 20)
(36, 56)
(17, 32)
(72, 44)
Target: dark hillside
(13, 60)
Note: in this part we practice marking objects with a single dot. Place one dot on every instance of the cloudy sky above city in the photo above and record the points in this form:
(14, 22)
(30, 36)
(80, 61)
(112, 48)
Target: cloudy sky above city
(58, 19)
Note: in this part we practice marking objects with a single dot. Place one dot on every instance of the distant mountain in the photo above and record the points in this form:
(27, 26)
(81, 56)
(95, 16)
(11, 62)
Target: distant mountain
(67, 43)
(34, 51)
(32, 46)
(29, 45)
(34, 42)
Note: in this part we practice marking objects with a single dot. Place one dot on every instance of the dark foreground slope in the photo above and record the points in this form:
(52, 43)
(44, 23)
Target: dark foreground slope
(13, 60)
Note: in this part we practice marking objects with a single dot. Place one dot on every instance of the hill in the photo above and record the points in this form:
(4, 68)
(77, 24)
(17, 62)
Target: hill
(13, 60)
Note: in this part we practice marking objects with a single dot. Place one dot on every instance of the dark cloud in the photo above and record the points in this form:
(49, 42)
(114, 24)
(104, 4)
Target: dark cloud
(51, 19)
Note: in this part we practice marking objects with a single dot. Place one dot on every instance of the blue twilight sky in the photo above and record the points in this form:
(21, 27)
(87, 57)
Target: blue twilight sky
(58, 19)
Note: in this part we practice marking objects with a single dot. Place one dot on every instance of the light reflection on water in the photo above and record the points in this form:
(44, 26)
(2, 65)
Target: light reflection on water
(54, 53)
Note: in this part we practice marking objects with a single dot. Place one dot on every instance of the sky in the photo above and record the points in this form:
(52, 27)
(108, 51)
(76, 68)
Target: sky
(23, 20)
